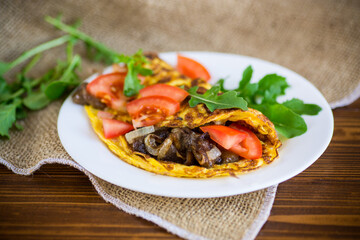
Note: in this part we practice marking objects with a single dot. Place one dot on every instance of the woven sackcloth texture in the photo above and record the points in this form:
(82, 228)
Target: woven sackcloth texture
(317, 39)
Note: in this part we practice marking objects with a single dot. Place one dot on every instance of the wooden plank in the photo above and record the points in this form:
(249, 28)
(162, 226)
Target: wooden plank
(59, 202)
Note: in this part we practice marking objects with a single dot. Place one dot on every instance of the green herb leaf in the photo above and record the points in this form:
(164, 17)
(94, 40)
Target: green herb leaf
(286, 122)
(19, 126)
(36, 100)
(263, 97)
(55, 89)
(247, 74)
(220, 83)
(213, 100)
(20, 112)
(4, 89)
(271, 86)
(301, 108)
(8, 117)
(132, 84)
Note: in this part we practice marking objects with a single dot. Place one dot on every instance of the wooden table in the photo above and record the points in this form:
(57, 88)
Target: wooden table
(58, 202)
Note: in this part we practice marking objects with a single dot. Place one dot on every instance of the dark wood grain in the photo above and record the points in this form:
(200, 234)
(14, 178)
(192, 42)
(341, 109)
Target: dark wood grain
(58, 202)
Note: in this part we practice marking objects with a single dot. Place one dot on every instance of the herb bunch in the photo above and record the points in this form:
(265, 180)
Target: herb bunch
(27, 93)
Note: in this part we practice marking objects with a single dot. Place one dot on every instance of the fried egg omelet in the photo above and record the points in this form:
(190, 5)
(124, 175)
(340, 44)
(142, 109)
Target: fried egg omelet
(191, 117)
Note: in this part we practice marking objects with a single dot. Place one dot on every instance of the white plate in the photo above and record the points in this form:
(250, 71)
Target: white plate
(80, 141)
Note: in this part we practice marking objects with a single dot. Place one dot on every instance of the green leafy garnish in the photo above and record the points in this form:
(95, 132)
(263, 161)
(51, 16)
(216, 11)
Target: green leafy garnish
(8, 116)
(5, 67)
(299, 107)
(213, 100)
(263, 96)
(134, 63)
(287, 122)
(35, 93)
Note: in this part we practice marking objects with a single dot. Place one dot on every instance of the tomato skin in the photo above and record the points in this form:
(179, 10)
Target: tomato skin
(156, 107)
(147, 120)
(166, 105)
(165, 90)
(224, 136)
(109, 87)
(114, 128)
(251, 147)
(192, 68)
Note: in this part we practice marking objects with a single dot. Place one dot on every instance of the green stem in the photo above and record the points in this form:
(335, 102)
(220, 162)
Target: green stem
(75, 61)
(80, 35)
(31, 64)
(42, 47)
(7, 97)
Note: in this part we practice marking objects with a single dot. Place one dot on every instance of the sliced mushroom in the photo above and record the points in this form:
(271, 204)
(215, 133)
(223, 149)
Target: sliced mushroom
(228, 157)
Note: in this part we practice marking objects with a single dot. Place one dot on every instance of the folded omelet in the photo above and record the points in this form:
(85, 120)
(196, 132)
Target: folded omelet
(192, 118)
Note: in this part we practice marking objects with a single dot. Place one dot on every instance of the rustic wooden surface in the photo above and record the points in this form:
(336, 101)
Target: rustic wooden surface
(58, 202)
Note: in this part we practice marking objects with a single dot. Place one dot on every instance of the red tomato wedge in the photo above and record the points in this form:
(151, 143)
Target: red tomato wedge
(192, 68)
(165, 90)
(152, 107)
(114, 128)
(147, 120)
(251, 147)
(109, 88)
(224, 136)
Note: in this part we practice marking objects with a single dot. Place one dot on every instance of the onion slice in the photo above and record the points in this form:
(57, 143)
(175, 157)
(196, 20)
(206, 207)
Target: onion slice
(131, 136)
(213, 153)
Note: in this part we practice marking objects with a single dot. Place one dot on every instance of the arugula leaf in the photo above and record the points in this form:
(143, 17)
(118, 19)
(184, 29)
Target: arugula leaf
(55, 89)
(36, 100)
(220, 83)
(271, 86)
(8, 117)
(132, 84)
(20, 112)
(263, 97)
(286, 122)
(299, 107)
(249, 92)
(214, 101)
(247, 74)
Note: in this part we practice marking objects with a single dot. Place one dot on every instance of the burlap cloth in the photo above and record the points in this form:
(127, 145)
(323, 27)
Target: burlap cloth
(318, 39)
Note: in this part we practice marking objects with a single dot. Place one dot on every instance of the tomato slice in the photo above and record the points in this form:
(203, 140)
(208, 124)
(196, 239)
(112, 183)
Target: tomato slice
(224, 136)
(114, 128)
(147, 120)
(152, 107)
(192, 68)
(251, 147)
(109, 88)
(165, 90)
